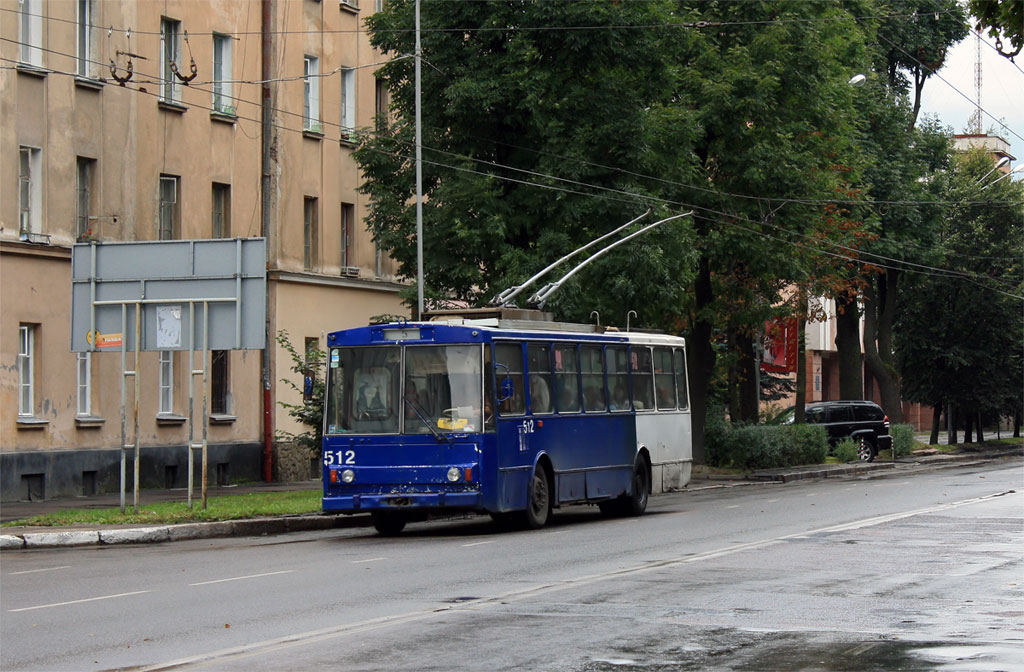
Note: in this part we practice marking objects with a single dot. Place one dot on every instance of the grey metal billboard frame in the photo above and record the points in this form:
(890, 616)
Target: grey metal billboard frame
(155, 279)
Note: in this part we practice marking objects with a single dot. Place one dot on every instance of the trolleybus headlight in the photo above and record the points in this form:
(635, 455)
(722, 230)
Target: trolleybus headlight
(454, 474)
(348, 476)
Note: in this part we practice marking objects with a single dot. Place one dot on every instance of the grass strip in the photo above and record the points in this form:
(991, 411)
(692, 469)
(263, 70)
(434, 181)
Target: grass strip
(225, 507)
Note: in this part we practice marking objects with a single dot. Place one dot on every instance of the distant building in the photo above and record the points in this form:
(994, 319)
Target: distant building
(998, 147)
(90, 154)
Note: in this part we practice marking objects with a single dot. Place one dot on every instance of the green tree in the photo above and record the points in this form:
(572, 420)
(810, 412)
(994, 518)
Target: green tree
(1002, 18)
(959, 338)
(309, 368)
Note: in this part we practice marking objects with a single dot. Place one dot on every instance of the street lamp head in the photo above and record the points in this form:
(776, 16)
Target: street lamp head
(857, 80)
(1002, 162)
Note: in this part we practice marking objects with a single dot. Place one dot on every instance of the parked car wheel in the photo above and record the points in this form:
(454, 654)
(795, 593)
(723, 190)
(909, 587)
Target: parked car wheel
(867, 450)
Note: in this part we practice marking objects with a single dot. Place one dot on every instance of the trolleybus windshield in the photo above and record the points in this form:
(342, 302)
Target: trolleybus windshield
(441, 391)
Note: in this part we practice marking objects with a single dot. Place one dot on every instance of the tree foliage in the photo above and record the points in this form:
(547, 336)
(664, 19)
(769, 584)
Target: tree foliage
(959, 338)
(1003, 19)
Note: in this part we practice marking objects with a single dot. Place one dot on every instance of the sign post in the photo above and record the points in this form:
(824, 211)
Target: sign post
(156, 279)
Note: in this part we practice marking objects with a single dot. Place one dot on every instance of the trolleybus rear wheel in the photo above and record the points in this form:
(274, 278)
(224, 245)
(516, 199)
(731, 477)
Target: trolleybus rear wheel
(387, 523)
(538, 500)
(636, 503)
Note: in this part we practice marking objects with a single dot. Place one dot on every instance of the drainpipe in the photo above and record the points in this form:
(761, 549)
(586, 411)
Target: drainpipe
(267, 224)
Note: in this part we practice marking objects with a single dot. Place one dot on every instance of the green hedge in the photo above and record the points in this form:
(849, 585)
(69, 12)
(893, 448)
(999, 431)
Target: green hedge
(763, 446)
(902, 439)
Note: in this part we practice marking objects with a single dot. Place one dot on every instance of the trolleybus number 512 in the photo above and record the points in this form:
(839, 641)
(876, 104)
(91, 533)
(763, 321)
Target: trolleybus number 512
(339, 457)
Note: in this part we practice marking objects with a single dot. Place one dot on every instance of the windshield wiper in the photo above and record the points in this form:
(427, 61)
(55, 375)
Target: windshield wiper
(419, 414)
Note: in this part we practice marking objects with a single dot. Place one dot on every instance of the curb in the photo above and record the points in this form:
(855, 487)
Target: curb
(254, 527)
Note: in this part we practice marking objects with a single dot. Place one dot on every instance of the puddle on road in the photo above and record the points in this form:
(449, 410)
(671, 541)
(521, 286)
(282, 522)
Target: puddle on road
(787, 651)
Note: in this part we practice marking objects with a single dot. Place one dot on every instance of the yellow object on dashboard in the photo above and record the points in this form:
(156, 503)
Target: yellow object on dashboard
(452, 423)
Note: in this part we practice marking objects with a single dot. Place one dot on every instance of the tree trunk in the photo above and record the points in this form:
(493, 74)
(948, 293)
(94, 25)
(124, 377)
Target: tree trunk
(978, 429)
(801, 370)
(951, 424)
(851, 381)
(732, 392)
(701, 358)
(879, 309)
(933, 438)
(1016, 422)
(746, 383)
(967, 425)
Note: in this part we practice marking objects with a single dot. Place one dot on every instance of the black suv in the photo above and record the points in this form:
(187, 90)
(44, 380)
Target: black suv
(862, 421)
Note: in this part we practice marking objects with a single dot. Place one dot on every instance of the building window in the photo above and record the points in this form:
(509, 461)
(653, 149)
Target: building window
(381, 104)
(348, 214)
(219, 389)
(31, 32)
(30, 190)
(309, 233)
(26, 366)
(84, 34)
(222, 101)
(84, 386)
(378, 259)
(348, 102)
(166, 404)
(170, 54)
(311, 94)
(221, 211)
(83, 225)
(169, 211)
(379, 5)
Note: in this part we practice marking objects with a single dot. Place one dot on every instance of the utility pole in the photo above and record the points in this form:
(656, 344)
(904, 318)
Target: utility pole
(267, 188)
(419, 176)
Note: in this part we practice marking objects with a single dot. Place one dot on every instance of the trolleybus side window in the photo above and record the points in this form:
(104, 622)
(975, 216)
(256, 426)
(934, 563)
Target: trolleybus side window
(538, 363)
(643, 378)
(508, 365)
(592, 368)
(567, 384)
(664, 386)
(618, 378)
(679, 357)
(489, 405)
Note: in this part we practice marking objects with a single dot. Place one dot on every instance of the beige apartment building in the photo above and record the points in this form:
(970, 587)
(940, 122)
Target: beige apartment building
(171, 145)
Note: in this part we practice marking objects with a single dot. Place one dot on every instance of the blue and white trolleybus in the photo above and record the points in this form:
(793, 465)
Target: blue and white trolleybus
(512, 417)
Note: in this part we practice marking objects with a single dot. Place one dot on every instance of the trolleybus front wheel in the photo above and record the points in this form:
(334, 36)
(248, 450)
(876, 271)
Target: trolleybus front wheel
(387, 523)
(538, 500)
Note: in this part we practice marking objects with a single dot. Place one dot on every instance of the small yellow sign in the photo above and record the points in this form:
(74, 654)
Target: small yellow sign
(104, 340)
(452, 423)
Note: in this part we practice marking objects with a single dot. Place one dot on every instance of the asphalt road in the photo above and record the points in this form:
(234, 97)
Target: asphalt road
(891, 572)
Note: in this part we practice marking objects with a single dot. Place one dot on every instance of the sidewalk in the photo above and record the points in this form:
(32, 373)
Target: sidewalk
(13, 538)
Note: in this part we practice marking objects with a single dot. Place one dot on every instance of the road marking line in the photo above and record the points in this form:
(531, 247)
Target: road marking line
(734, 506)
(33, 571)
(334, 632)
(88, 599)
(240, 578)
(770, 501)
(551, 534)
(477, 543)
(356, 562)
(812, 494)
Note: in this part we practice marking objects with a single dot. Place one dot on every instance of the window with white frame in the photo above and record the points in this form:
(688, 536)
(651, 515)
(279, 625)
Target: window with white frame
(83, 225)
(166, 403)
(222, 100)
(379, 5)
(84, 35)
(169, 211)
(170, 53)
(30, 194)
(348, 102)
(311, 94)
(84, 386)
(30, 31)
(26, 364)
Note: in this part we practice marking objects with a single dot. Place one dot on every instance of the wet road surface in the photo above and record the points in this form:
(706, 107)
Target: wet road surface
(889, 573)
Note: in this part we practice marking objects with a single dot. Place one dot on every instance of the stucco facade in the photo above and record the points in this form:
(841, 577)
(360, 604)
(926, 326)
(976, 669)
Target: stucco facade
(85, 158)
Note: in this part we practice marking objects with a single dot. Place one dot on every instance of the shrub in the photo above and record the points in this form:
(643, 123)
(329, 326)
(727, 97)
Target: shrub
(762, 446)
(902, 439)
(847, 450)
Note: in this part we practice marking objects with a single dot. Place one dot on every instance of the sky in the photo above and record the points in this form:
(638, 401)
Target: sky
(1002, 93)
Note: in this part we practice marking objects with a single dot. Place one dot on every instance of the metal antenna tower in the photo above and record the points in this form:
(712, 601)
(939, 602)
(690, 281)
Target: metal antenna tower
(975, 120)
